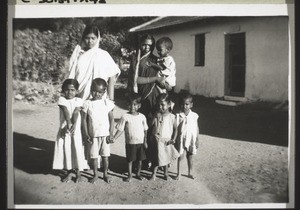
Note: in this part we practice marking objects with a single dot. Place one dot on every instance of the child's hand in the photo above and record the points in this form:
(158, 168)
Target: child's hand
(145, 145)
(72, 129)
(109, 139)
(89, 140)
(197, 144)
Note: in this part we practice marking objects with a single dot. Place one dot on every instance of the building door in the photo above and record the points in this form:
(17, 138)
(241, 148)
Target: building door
(235, 64)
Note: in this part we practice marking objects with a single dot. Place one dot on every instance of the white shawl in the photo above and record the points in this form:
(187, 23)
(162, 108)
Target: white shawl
(88, 65)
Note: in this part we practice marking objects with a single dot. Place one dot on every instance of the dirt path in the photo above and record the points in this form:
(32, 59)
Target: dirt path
(228, 171)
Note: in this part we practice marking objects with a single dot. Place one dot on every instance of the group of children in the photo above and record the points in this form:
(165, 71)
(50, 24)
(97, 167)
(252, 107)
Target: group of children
(89, 126)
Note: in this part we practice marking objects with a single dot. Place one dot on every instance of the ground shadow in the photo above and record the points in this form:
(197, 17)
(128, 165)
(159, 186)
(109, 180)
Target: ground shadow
(32, 155)
(246, 123)
(117, 164)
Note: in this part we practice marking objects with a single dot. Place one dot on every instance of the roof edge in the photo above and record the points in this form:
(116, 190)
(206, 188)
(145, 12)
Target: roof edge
(145, 24)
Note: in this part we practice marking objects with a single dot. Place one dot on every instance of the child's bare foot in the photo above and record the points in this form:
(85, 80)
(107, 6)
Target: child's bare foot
(139, 177)
(177, 177)
(67, 179)
(94, 179)
(107, 179)
(128, 179)
(167, 178)
(79, 180)
(191, 176)
(152, 178)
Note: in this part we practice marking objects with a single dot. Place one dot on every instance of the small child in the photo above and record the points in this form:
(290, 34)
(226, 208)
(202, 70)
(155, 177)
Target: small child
(166, 64)
(68, 152)
(164, 135)
(135, 126)
(98, 126)
(188, 133)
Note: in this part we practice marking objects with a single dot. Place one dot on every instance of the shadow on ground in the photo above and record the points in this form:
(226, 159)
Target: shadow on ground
(33, 155)
(250, 122)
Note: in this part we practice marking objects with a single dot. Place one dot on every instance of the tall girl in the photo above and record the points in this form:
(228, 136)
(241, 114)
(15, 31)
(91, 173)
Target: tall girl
(164, 134)
(68, 152)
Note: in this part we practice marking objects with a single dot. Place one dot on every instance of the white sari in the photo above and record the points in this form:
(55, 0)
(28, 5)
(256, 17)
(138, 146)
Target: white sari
(88, 65)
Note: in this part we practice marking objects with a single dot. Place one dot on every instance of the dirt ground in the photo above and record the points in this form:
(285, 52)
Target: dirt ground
(243, 158)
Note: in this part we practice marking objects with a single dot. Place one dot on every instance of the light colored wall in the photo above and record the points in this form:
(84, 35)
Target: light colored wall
(266, 56)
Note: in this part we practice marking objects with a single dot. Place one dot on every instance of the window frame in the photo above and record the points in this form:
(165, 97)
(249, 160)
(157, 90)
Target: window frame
(199, 50)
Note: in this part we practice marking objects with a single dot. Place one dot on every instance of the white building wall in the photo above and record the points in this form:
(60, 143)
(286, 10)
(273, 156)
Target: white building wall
(266, 56)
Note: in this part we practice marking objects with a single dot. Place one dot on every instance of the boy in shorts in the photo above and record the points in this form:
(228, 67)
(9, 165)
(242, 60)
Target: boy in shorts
(98, 126)
(135, 126)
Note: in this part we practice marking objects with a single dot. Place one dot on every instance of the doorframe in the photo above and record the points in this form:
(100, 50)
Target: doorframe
(227, 91)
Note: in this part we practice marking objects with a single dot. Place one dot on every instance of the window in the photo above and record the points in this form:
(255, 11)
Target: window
(200, 50)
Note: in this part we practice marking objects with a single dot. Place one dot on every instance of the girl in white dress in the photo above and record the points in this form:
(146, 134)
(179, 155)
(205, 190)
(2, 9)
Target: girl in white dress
(188, 133)
(164, 134)
(68, 152)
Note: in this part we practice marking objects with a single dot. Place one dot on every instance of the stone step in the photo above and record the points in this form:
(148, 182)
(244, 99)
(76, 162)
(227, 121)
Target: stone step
(227, 102)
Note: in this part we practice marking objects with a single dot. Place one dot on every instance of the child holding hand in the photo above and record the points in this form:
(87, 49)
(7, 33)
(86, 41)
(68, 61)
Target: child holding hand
(188, 133)
(135, 126)
(68, 151)
(164, 135)
(98, 126)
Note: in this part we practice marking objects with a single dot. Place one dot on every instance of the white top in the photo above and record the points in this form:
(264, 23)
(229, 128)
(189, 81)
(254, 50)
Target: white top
(170, 71)
(70, 104)
(134, 126)
(88, 65)
(98, 120)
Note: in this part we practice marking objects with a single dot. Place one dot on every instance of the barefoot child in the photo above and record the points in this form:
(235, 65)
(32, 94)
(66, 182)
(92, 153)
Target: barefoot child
(188, 133)
(68, 152)
(164, 135)
(98, 126)
(135, 126)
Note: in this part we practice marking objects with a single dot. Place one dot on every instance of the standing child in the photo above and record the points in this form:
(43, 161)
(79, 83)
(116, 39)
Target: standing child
(135, 126)
(164, 135)
(68, 152)
(188, 133)
(98, 126)
(166, 64)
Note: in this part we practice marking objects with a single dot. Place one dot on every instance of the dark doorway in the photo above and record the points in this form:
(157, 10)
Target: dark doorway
(235, 64)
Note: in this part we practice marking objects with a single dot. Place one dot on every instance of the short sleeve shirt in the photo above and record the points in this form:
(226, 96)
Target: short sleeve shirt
(98, 120)
(134, 126)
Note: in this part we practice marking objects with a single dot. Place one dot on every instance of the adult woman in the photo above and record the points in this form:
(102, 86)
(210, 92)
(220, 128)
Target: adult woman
(88, 62)
(145, 83)
(146, 76)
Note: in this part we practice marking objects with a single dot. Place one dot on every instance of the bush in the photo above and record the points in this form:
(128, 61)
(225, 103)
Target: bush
(35, 93)
(43, 56)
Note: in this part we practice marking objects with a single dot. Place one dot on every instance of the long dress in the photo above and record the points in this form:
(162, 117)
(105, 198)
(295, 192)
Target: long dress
(68, 151)
(162, 133)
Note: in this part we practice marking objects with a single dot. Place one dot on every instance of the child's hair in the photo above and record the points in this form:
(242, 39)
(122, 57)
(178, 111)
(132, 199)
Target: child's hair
(98, 82)
(165, 41)
(67, 82)
(147, 36)
(91, 29)
(163, 97)
(134, 97)
(184, 96)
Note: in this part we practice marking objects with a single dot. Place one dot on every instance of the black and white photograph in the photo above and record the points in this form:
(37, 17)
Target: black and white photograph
(148, 106)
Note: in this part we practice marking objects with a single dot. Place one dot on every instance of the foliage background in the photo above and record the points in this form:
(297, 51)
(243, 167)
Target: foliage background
(42, 48)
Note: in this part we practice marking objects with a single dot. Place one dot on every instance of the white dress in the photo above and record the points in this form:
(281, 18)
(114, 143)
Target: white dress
(187, 132)
(68, 151)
